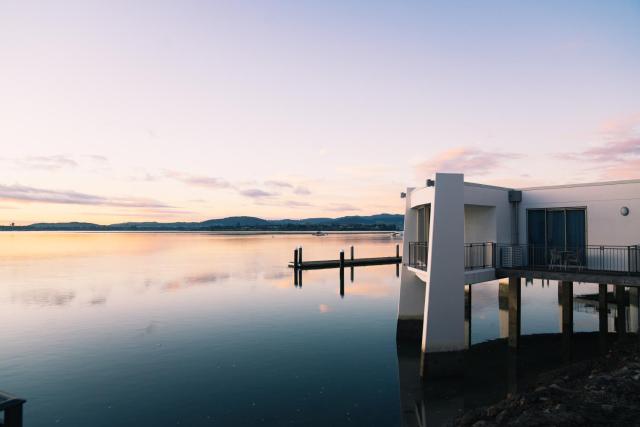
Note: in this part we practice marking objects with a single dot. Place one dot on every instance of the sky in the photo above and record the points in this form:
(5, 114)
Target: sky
(114, 111)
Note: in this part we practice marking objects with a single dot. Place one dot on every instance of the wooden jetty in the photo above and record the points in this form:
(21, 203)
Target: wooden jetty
(299, 264)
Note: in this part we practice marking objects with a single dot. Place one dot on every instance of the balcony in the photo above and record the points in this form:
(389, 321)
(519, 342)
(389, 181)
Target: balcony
(600, 259)
(594, 259)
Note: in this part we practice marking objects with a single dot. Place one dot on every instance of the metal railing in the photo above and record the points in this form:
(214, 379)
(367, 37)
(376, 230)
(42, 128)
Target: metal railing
(587, 258)
(479, 255)
(418, 254)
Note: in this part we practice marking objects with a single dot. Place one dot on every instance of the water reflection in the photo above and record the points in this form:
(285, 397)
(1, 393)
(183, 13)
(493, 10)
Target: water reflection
(102, 319)
(492, 371)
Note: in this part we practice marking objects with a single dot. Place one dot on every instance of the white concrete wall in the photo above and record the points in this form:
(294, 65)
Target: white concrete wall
(480, 224)
(443, 325)
(498, 199)
(605, 225)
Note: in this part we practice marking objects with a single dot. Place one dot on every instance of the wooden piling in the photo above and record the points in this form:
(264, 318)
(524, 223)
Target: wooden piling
(295, 258)
(397, 251)
(342, 274)
(300, 255)
(352, 253)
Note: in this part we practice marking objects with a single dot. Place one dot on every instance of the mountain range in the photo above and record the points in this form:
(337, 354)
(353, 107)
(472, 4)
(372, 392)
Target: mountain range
(380, 222)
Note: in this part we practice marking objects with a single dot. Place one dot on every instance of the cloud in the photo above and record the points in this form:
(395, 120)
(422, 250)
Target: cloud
(198, 180)
(621, 127)
(296, 204)
(467, 160)
(342, 208)
(301, 191)
(23, 193)
(256, 193)
(619, 159)
(611, 151)
(98, 158)
(46, 162)
(282, 184)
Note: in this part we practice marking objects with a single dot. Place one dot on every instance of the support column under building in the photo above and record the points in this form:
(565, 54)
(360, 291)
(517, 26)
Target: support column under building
(634, 309)
(467, 315)
(603, 316)
(514, 311)
(565, 292)
(621, 312)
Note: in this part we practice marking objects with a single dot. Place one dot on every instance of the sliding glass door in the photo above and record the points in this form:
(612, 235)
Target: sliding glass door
(556, 235)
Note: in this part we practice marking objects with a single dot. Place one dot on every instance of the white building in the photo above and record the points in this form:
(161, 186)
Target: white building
(459, 233)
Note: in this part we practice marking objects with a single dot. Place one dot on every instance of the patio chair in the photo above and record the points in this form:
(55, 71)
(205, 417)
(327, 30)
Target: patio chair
(574, 258)
(555, 258)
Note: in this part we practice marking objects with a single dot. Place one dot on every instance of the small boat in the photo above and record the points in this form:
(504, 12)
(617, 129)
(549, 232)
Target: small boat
(319, 233)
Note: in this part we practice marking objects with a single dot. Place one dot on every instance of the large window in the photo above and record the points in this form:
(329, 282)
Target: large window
(554, 231)
(557, 228)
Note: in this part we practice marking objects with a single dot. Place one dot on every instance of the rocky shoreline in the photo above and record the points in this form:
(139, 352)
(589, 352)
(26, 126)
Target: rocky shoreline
(598, 392)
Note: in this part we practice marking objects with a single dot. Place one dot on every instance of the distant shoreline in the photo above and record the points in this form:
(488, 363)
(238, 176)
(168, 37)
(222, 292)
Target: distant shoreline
(233, 225)
(215, 232)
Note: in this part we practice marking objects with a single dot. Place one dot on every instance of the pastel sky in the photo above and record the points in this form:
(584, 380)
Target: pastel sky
(116, 111)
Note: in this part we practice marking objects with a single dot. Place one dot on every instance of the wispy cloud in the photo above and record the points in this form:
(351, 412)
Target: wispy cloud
(301, 191)
(281, 184)
(342, 207)
(256, 193)
(614, 159)
(198, 180)
(23, 193)
(467, 160)
(46, 162)
(611, 151)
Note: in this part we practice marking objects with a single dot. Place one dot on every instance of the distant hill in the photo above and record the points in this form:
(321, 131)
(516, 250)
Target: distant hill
(380, 222)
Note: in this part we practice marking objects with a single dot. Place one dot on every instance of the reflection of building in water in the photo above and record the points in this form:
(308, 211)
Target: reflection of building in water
(588, 303)
(503, 307)
(423, 404)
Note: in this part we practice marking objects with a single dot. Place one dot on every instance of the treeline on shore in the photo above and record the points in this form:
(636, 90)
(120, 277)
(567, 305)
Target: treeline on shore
(381, 222)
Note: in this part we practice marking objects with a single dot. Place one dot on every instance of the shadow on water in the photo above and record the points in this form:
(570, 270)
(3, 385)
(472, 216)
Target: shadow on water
(491, 371)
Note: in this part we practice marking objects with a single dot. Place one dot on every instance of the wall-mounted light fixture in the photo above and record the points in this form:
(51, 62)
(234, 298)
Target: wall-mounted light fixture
(403, 195)
(431, 183)
(624, 211)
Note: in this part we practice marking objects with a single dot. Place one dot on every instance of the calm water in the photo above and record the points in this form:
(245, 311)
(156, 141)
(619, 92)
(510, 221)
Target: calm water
(130, 329)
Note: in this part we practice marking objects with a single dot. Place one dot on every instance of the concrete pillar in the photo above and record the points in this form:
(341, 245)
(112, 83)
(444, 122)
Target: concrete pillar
(566, 298)
(410, 307)
(621, 310)
(603, 317)
(467, 315)
(603, 311)
(503, 307)
(443, 326)
(514, 311)
(565, 289)
(634, 313)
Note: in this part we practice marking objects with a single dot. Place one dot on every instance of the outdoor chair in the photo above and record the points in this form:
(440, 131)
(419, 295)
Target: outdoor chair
(574, 258)
(555, 258)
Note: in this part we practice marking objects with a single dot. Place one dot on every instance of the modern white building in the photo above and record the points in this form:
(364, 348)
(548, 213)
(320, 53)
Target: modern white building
(458, 233)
